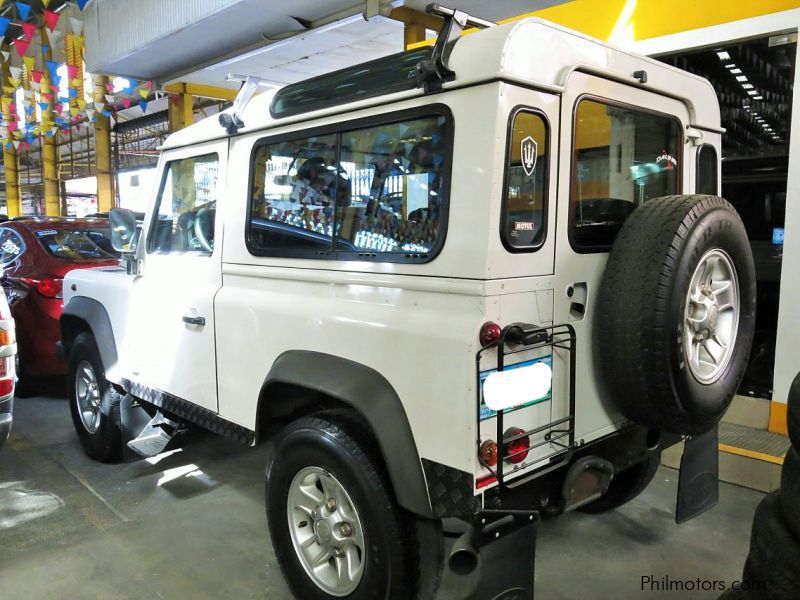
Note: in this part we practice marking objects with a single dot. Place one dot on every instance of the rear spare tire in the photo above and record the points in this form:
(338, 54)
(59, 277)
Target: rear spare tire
(676, 313)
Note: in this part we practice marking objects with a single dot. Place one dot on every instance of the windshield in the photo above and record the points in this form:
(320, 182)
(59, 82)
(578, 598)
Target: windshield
(78, 244)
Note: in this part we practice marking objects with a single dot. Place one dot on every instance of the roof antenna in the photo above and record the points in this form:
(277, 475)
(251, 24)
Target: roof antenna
(232, 121)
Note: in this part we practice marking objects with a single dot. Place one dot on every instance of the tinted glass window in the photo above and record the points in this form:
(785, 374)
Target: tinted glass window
(184, 216)
(622, 158)
(294, 192)
(383, 76)
(525, 200)
(394, 195)
(11, 246)
(707, 178)
(384, 196)
(78, 244)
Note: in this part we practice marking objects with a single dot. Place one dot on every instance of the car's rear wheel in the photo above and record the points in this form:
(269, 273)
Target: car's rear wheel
(93, 403)
(334, 522)
(676, 313)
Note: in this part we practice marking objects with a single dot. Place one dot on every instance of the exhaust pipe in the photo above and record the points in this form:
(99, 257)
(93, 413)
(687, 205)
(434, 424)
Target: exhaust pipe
(464, 558)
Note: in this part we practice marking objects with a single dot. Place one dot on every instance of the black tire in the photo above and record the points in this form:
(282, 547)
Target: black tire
(793, 416)
(398, 545)
(625, 486)
(641, 309)
(25, 386)
(104, 444)
(774, 552)
(790, 491)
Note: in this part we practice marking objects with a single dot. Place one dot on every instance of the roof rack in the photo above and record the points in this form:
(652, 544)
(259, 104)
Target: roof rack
(432, 73)
(232, 121)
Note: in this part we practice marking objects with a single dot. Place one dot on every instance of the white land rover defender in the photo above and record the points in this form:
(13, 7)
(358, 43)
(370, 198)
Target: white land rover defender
(475, 284)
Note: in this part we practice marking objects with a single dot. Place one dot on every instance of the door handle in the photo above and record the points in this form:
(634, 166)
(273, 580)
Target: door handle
(194, 320)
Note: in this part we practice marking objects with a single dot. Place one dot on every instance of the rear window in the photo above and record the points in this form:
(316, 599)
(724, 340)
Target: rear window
(78, 244)
(623, 157)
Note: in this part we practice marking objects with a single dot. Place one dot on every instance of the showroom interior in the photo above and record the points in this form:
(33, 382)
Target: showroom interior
(415, 206)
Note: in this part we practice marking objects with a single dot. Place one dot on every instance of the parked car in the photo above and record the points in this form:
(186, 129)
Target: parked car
(36, 253)
(8, 350)
(541, 301)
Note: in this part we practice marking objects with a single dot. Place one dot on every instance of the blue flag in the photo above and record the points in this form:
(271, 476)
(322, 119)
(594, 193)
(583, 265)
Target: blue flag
(24, 10)
(4, 23)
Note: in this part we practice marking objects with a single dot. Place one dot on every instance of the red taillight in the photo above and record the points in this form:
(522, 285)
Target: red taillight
(489, 334)
(49, 287)
(6, 376)
(487, 453)
(517, 449)
(484, 481)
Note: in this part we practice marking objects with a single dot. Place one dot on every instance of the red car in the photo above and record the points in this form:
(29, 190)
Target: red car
(36, 253)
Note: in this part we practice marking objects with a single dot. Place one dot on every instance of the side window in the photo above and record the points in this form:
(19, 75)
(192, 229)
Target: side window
(376, 192)
(294, 192)
(11, 247)
(524, 214)
(707, 177)
(186, 206)
(622, 158)
(394, 196)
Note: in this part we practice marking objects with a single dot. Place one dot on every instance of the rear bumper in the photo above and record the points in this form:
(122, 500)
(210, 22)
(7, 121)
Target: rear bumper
(6, 419)
(38, 330)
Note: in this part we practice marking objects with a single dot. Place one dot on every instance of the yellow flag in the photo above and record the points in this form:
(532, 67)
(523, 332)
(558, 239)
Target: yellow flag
(144, 93)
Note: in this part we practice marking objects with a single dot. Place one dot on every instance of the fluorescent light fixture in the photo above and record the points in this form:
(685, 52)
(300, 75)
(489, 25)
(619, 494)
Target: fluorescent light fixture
(758, 97)
(752, 92)
(747, 86)
(731, 66)
(741, 78)
(724, 55)
(505, 389)
(736, 71)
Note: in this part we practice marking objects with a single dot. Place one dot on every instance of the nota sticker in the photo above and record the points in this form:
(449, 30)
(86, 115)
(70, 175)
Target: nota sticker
(528, 151)
(524, 226)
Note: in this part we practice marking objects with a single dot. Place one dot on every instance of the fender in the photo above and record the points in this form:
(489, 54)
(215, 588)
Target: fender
(82, 312)
(369, 393)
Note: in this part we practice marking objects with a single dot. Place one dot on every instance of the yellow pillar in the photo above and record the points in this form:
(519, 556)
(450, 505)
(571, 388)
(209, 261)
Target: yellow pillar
(416, 22)
(181, 109)
(10, 164)
(52, 188)
(102, 140)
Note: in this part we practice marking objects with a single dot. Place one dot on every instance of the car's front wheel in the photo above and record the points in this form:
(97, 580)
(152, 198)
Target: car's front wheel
(93, 403)
(335, 525)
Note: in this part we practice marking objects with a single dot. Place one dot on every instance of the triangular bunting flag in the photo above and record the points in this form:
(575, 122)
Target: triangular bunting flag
(16, 144)
(126, 102)
(110, 87)
(143, 105)
(46, 3)
(54, 36)
(82, 4)
(29, 61)
(21, 46)
(37, 76)
(149, 85)
(45, 48)
(36, 85)
(16, 72)
(144, 93)
(52, 66)
(76, 25)
(4, 54)
(90, 113)
(110, 99)
(44, 105)
(72, 71)
(131, 86)
(29, 29)
(24, 10)
(51, 19)
(99, 106)
(4, 23)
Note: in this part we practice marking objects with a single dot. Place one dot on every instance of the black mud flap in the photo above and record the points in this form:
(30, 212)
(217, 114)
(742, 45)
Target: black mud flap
(505, 558)
(698, 482)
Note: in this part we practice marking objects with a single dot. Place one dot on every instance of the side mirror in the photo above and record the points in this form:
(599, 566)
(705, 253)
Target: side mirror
(124, 235)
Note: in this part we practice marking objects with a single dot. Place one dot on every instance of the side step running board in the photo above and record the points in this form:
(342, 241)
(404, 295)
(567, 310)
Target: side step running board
(145, 435)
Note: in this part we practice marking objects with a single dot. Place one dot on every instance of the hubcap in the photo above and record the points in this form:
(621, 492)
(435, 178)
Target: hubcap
(712, 316)
(87, 395)
(326, 531)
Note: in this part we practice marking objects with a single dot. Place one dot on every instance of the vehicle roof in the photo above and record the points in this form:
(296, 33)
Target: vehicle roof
(530, 52)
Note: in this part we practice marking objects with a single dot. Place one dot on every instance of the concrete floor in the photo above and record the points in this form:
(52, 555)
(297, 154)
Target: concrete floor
(193, 526)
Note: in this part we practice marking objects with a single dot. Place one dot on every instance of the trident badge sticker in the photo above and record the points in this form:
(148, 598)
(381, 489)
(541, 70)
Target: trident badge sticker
(529, 149)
